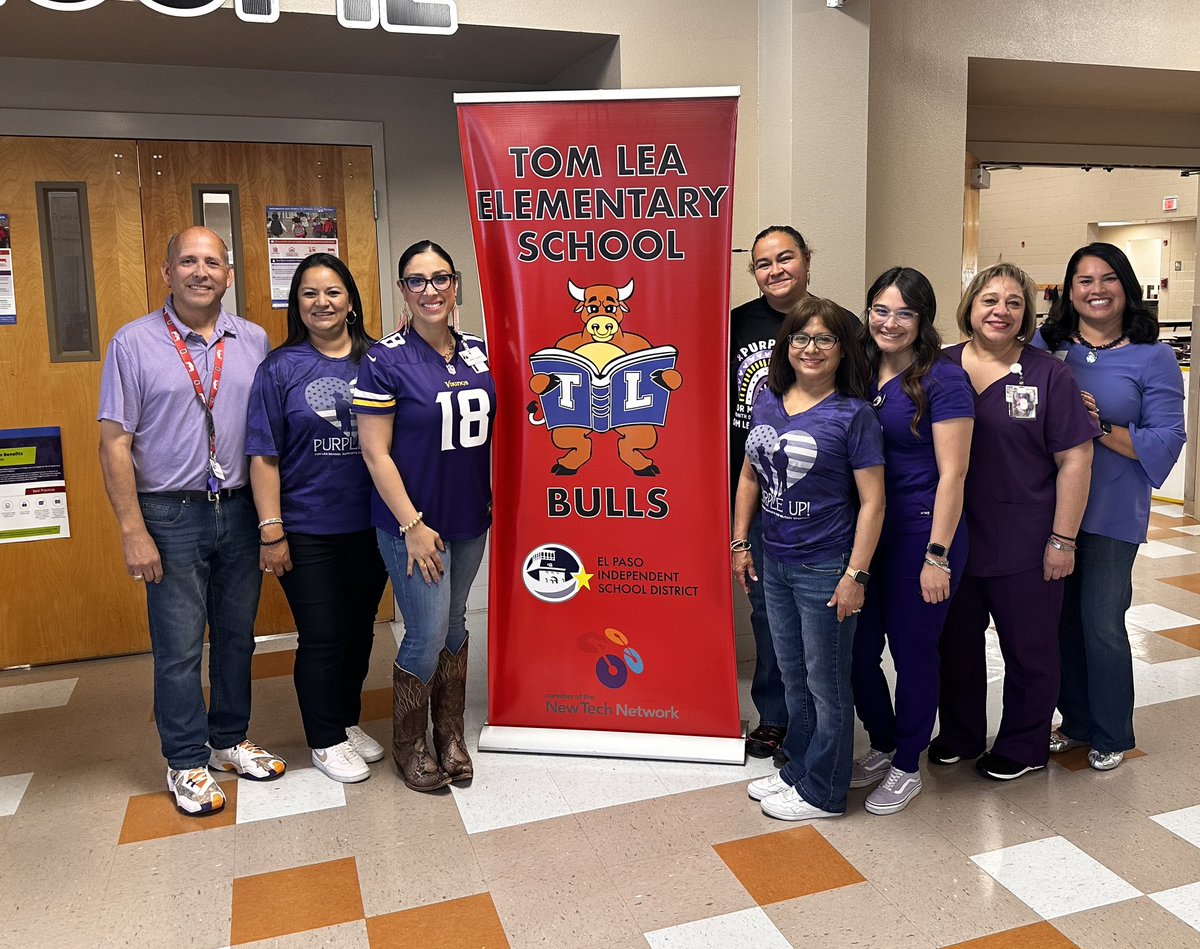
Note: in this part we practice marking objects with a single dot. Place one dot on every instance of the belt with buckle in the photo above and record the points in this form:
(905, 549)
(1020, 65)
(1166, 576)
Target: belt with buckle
(223, 495)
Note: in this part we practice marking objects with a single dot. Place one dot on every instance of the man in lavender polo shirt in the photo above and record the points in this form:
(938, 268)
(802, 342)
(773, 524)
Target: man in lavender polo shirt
(176, 473)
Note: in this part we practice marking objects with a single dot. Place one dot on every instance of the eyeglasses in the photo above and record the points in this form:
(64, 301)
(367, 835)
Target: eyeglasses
(880, 314)
(440, 281)
(801, 340)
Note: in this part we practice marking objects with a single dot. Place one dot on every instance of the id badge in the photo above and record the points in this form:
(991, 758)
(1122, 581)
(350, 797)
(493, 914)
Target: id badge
(1022, 401)
(215, 467)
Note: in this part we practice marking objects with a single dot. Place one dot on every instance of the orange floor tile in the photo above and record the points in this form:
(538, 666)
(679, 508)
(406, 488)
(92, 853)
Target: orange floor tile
(154, 815)
(292, 901)
(264, 665)
(1187, 635)
(468, 923)
(1037, 936)
(1076, 758)
(812, 864)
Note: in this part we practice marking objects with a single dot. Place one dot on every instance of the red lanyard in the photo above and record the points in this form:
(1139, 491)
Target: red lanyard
(207, 403)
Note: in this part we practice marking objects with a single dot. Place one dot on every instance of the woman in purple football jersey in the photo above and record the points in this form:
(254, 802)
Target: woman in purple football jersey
(425, 403)
(813, 445)
(304, 453)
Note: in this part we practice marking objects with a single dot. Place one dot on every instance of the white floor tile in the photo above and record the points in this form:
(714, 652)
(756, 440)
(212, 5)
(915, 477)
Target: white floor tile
(299, 791)
(591, 783)
(747, 927)
(1152, 618)
(1164, 681)
(1183, 902)
(681, 776)
(35, 695)
(1193, 529)
(1054, 878)
(280, 642)
(12, 789)
(1156, 550)
(509, 792)
(1168, 510)
(1184, 823)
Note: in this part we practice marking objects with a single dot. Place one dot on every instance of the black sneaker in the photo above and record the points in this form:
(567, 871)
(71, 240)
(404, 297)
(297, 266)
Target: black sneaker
(779, 759)
(999, 768)
(939, 755)
(764, 741)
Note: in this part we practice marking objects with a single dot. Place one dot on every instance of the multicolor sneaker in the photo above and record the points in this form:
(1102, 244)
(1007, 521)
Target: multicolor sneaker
(249, 761)
(366, 746)
(195, 791)
(765, 740)
(1105, 760)
(898, 788)
(871, 767)
(341, 763)
(789, 805)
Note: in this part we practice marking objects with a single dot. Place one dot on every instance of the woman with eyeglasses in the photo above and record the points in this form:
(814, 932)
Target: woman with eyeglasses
(927, 410)
(425, 402)
(304, 452)
(813, 445)
(1133, 388)
(1031, 460)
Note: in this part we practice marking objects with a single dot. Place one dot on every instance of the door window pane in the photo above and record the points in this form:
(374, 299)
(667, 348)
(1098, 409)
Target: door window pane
(67, 271)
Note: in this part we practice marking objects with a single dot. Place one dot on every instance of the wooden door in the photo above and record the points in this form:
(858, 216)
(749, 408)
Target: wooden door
(264, 175)
(70, 598)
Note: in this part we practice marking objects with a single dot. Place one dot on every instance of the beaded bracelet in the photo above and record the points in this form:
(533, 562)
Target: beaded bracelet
(739, 545)
(272, 543)
(413, 523)
(945, 567)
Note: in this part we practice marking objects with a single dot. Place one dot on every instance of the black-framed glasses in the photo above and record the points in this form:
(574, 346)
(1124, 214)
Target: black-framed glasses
(822, 340)
(417, 284)
(880, 314)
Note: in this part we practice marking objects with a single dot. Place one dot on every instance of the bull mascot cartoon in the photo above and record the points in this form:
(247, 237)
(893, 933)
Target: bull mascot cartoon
(600, 342)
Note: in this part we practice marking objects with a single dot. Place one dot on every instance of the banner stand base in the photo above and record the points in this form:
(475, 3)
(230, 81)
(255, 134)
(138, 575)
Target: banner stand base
(572, 741)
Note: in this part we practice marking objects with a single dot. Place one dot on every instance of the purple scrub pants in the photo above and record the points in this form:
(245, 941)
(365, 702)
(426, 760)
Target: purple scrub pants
(1026, 609)
(895, 611)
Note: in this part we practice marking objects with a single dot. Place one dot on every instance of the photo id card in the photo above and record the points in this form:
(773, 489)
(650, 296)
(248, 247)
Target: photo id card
(1022, 401)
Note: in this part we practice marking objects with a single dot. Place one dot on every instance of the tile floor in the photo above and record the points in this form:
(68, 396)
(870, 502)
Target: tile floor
(572, 853)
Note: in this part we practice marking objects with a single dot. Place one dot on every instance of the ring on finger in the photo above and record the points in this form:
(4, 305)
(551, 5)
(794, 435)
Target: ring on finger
(138, 576)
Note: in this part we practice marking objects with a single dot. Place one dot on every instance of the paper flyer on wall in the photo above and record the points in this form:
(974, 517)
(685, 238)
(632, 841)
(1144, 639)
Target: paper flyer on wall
(292, 234)
(33, 491)
(8, 295)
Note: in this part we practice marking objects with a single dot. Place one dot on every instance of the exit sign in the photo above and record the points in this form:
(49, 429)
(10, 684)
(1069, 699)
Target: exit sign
(1171, 203)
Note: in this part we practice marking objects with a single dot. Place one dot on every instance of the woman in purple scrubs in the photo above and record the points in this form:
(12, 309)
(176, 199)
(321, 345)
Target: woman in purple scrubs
(926, 407)
(1133, 388)
(1031, 457)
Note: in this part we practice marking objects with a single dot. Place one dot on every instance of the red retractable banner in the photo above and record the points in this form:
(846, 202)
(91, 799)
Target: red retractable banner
(602, 227)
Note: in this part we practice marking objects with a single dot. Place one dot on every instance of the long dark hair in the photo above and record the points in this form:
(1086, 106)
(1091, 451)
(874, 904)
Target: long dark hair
(297, 333)
(917, 293)
(421, 247)
(851, 377)
(1138, 323)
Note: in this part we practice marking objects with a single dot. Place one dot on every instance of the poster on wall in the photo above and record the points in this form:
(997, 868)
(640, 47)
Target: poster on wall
(292, 234)
(8, 293)
(33, 491)
(602, 229)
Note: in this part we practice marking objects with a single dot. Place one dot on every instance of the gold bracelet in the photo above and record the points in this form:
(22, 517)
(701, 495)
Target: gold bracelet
(413, 523)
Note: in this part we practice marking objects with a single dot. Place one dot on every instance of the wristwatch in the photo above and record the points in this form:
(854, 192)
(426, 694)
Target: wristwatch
(858, 576)
(1105, 428)
(937, 550)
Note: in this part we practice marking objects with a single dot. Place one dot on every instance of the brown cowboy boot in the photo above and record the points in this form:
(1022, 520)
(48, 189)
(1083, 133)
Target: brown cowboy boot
(448, 693)
(410, 717)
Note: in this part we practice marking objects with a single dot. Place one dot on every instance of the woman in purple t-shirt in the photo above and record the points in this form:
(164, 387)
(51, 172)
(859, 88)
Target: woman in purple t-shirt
(1031, 457)
(1133, 387)
(304, 453)
(813, 444)
(927, 410)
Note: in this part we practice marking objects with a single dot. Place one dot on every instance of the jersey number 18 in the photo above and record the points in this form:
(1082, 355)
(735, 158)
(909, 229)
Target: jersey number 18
(472, 410)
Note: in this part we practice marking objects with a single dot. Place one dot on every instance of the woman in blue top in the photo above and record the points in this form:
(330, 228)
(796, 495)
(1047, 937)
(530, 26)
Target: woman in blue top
(926, 407)
(425, 402)
(1133, 388)
(813, 444)
(313, 496)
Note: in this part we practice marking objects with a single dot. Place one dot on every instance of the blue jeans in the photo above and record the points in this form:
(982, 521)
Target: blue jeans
(814, 652)
(435, 614)
(766, 688)
(210, 569)
(1096, 685)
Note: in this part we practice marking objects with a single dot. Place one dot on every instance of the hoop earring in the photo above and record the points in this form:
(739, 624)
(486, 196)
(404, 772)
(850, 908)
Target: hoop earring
(352, 318)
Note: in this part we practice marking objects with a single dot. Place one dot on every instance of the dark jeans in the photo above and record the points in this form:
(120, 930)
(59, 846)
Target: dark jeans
(333, 589)
(766, 688)
(210, 577)
(1096, 694)
(814, 652)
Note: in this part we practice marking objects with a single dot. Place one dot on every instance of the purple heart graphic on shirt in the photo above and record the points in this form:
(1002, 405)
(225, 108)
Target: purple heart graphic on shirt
(782, 460)
(329, 397)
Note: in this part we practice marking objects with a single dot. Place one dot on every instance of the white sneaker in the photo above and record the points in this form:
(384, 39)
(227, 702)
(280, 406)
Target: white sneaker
(342, 763)
(195, 791)
(248, 760)
(789, 805)
(366, 746)
(765, 787)
(871, 767)
(898, 788)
